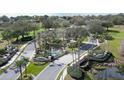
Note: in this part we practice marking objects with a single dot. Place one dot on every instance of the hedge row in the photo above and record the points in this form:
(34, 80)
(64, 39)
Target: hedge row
(75, 72)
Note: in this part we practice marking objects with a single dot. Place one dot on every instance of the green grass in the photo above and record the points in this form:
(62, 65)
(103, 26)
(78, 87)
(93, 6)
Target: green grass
(2, 45)
(113, 46)
(86, 39)
(100, 67)
(37, 31)
(89, 76)
(35, 69)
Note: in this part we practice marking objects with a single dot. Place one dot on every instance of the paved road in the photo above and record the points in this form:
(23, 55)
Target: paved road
(53, 69)
(12, 74)
(51, 72)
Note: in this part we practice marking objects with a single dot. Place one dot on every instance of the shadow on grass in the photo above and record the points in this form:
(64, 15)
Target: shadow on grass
(40, 63)
(113, 31)
(23, 40)
(112, 38)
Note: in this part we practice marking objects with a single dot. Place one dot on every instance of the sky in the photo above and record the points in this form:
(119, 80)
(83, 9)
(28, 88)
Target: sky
(41, 7)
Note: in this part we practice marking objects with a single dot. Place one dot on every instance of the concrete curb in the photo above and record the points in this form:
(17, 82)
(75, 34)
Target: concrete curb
(26, 66)
(41, 72)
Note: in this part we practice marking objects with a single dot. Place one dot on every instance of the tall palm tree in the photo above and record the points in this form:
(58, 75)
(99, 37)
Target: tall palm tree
(25, 60)
(72, 47)
(79, 41)
(19, 65)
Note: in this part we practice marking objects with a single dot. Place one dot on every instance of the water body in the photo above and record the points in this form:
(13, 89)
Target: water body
(109, 73)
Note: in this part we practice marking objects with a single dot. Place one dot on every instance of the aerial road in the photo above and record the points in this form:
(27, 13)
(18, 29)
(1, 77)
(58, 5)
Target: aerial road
(52, 70)
(12, 74)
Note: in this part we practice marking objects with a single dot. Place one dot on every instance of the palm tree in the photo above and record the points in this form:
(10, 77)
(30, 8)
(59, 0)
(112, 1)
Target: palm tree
(19, 65)
(25, 60)
(72, 47)
(81, 34)
(79, 41)
(39, 40)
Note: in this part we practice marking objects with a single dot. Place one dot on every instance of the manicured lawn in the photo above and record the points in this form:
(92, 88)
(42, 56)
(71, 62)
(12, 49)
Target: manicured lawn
(35, 69)
(118, 27)
(86, 39)
(89, 76)
(114, 45)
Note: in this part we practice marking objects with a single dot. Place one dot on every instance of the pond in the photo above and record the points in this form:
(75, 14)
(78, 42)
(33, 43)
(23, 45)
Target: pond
(109, 73)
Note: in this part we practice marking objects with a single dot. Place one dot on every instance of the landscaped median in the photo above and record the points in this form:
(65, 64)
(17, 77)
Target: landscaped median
(35, 69)
(32, 70)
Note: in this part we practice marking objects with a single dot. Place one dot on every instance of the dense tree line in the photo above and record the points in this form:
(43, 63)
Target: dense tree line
(116, 19)
(21, 26)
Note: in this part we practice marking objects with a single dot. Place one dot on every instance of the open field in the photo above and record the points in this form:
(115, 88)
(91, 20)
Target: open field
(117, 33)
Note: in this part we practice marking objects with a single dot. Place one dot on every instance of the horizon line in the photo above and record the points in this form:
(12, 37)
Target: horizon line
(54, 14)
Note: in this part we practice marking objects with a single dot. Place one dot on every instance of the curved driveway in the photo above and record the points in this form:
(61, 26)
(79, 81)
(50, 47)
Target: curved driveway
(51, 72)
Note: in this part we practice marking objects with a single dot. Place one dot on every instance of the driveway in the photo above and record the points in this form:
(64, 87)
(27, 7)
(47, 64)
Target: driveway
(53, 69)
(12, 74)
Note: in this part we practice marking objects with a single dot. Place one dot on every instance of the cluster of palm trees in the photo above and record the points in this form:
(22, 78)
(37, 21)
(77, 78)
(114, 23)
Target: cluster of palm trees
(20, 64)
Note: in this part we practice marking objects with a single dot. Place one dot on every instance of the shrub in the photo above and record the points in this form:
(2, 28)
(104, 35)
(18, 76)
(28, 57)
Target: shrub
(89, 76)
(121, 68)
(106, 57)
(75, 72)
(2, 51)
(101, 40)
(2, 63)
(27, 77)
(108, 37)
(29, 38)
